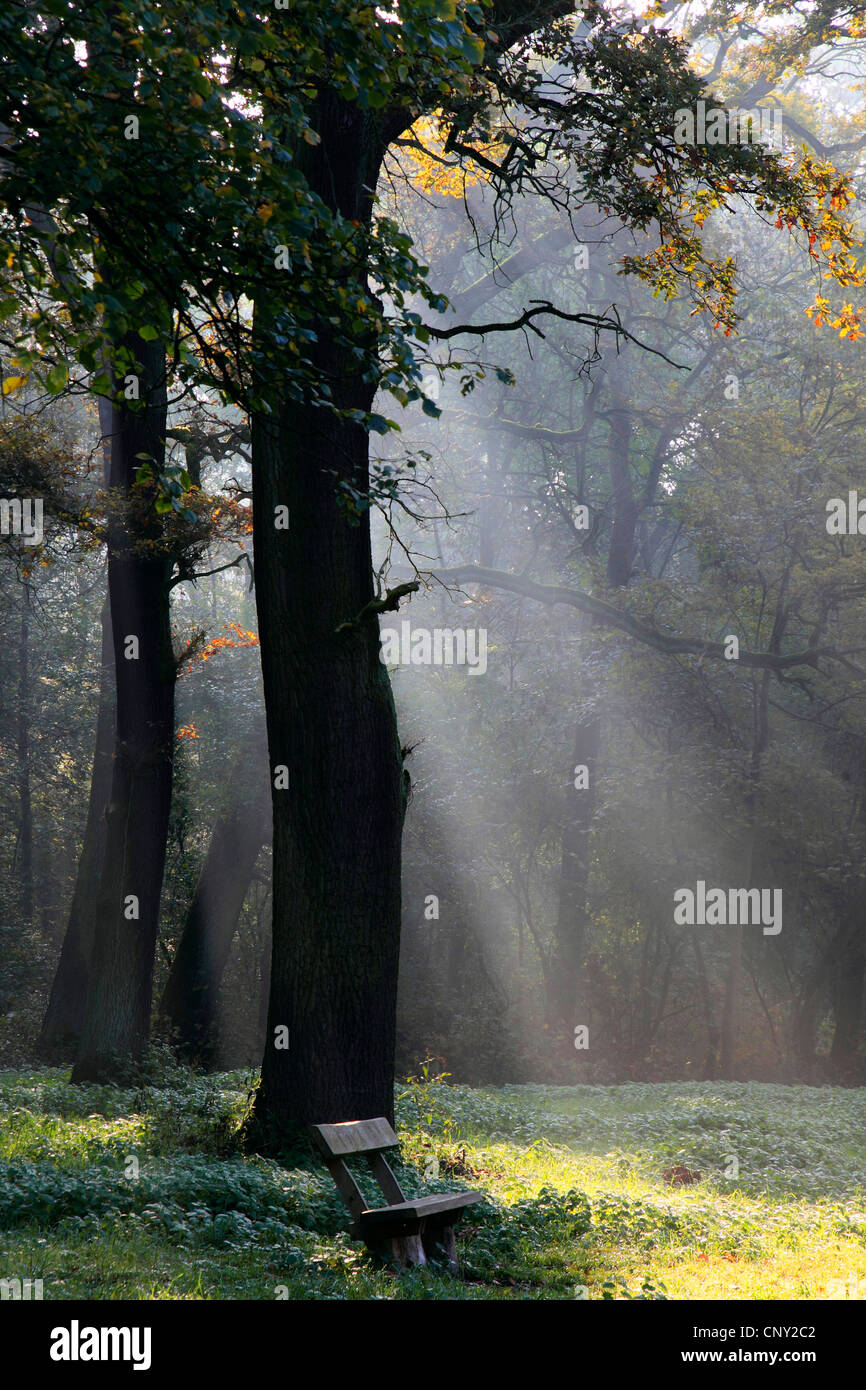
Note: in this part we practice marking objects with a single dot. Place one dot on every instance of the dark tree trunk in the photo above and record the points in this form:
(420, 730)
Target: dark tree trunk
(332, 723)
(24, 857)
(64, 1016)
(190, 997)
(117, 1021)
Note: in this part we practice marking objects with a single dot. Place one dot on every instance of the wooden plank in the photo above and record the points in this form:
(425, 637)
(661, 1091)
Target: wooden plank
(418, 1209)
(354, 1137)
(381, 1170)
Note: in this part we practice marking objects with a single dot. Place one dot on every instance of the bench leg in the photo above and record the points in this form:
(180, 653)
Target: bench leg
(441, 1239)
(408, 1250)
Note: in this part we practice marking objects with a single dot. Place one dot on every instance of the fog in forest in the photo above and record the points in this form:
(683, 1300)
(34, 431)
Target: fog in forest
(648, 503)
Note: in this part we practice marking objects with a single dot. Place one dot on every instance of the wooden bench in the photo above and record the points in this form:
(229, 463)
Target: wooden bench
(412, 1228)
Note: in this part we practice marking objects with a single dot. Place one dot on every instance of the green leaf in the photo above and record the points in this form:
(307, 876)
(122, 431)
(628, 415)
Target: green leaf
(57, 377)
(148, 333)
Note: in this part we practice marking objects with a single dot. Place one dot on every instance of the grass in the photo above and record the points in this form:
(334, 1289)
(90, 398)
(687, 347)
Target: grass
(106, 1193)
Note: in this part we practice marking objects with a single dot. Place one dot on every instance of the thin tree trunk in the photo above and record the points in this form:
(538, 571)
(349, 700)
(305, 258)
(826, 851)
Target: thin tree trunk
(760, 738)
(850, 964)
(190, 997)
(64, 1016)
(727, 1061)
(24, 857)
(712, 1053)
(569, 945)
(117, 1021)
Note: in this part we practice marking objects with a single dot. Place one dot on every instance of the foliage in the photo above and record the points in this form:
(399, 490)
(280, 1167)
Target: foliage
(567, 1219)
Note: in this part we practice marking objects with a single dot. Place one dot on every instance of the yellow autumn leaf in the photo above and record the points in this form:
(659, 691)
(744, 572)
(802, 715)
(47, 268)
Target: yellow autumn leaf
(12, 383)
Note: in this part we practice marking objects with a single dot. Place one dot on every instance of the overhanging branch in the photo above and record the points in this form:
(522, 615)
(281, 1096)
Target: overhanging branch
(613, 617)
(598, 322)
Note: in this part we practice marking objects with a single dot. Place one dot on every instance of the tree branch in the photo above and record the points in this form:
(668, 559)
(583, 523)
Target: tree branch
(525, 320)
(614, 617)
(388, 604)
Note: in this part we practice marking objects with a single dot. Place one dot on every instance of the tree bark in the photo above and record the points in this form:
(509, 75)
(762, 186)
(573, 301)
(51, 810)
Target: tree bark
(64, 1016)
(331, 722)
(117, 1022)
(189, 1001)
(24, 856)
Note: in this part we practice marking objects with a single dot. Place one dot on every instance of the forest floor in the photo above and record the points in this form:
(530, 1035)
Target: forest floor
(108, 1193)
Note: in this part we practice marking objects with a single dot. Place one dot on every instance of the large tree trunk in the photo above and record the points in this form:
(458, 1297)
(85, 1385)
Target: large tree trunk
(190, 997)
(64, 1016)
(331, 722)
(117, 1022)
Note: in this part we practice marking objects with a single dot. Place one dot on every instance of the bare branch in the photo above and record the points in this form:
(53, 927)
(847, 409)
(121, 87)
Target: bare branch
(615, 617)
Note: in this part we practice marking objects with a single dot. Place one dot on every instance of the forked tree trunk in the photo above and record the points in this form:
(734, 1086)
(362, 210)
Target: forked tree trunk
(117, 1022)
(332, 724)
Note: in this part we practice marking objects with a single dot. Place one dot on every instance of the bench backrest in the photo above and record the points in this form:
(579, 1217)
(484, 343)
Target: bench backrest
(354, 1137)
(367, 1137)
